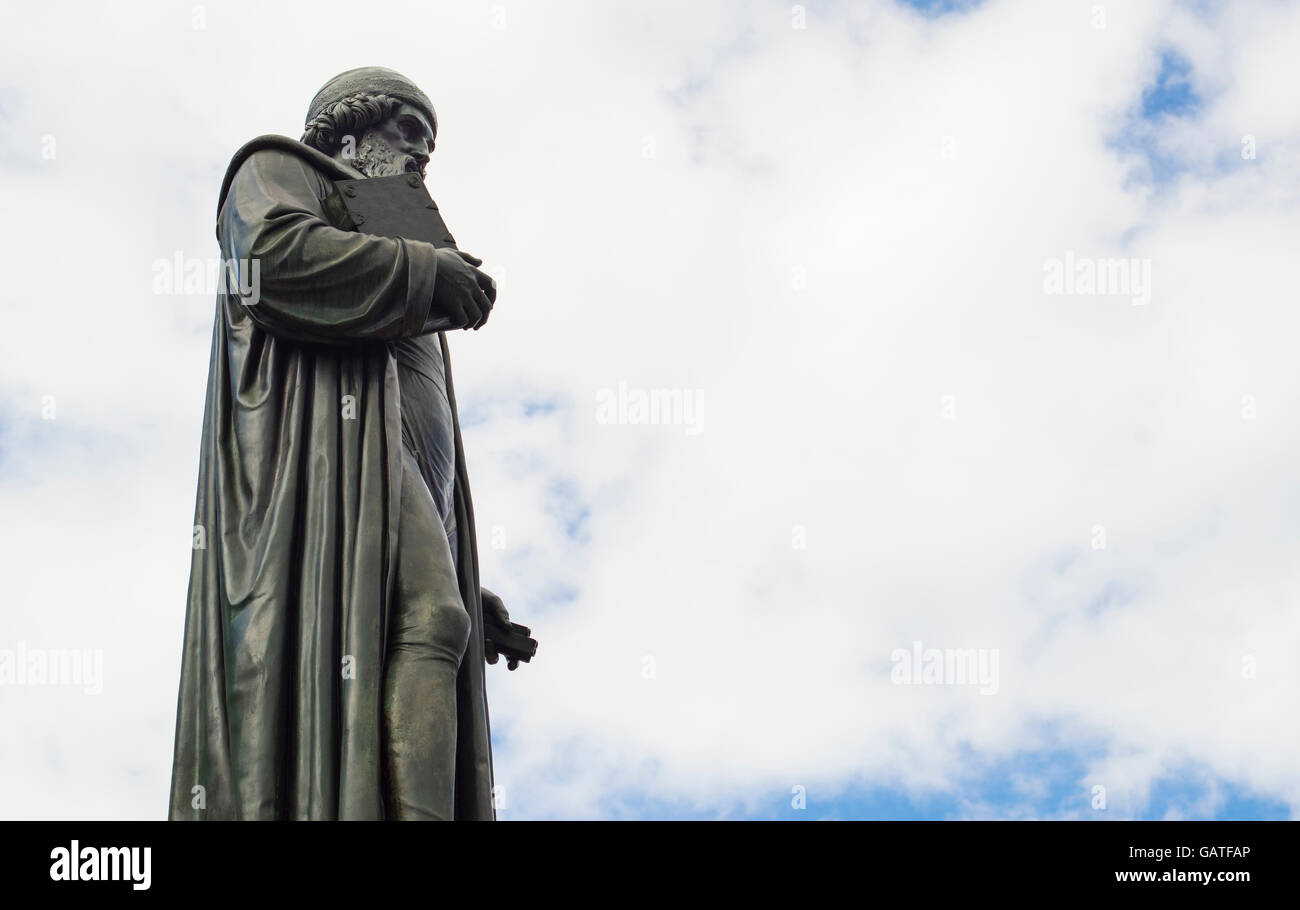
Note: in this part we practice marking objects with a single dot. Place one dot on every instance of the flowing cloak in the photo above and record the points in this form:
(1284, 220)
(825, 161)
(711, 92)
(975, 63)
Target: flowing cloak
(292, 581)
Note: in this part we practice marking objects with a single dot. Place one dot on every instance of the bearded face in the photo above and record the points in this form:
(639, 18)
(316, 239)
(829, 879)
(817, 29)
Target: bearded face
(399, 144)
(376, 157)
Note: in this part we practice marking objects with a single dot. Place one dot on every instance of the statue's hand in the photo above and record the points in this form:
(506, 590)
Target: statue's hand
(494, 610)
(461, 292)
(501, 636)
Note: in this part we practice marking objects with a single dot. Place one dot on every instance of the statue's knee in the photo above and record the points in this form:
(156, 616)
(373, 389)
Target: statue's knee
(448, 631)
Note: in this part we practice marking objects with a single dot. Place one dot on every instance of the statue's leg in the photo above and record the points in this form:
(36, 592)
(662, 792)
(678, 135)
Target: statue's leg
(430, 631)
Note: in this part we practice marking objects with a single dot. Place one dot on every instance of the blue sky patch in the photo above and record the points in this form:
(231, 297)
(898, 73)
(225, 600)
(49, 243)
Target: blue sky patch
(1170, 96)
(1172, 93)
(936, 8)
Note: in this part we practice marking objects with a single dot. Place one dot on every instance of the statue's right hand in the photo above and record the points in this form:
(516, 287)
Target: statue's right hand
(461, 292)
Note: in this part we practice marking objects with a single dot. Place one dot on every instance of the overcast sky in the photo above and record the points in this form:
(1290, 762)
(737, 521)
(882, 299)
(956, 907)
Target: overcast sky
(852, 241)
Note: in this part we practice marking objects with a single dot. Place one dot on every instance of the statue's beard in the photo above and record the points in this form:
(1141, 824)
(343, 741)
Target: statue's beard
(376, 158)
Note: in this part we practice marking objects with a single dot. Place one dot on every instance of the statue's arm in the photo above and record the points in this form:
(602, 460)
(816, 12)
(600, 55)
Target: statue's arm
(315, 282)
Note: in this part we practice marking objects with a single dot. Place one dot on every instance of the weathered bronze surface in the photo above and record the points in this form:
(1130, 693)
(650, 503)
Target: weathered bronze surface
(395, 206)
(336, 632)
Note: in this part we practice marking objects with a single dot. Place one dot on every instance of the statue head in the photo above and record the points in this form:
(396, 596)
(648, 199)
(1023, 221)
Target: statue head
(375, 120)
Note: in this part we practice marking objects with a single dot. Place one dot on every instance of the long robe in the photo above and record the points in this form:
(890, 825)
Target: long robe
(279, 714)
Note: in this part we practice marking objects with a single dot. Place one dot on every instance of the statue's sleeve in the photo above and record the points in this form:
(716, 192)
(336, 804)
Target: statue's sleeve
(304, 279)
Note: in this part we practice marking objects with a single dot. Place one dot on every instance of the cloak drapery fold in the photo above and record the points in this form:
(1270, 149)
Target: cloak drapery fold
(279, 714)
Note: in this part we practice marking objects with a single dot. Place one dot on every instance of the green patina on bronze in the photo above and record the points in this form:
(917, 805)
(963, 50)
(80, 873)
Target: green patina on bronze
(279, 714)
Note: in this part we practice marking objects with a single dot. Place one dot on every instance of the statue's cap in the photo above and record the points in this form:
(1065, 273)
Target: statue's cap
(376, 80)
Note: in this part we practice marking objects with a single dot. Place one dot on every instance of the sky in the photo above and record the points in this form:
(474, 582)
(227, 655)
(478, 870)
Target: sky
(967, 327)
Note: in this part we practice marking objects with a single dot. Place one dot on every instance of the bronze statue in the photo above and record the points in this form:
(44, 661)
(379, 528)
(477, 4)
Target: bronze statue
(336, 633)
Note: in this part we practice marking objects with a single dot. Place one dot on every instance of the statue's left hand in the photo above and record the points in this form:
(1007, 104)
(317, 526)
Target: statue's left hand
(494, 614)
(494, 610)
(503, 638)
